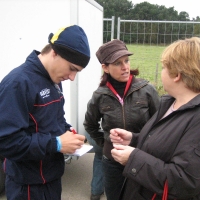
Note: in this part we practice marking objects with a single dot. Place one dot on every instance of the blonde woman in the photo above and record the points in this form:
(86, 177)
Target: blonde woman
(165, 162)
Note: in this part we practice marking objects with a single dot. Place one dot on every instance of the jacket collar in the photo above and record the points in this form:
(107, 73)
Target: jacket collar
(36, 65)
(167, 100)
(137, 83)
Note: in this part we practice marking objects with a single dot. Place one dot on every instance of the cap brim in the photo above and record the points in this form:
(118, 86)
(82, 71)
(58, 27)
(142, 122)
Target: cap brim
(118, 55)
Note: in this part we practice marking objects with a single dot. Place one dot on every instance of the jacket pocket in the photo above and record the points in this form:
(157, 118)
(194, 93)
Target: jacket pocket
(107, 108)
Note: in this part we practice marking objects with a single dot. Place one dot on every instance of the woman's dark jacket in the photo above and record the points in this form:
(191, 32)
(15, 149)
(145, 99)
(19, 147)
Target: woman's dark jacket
(31, 117)
(168, 149)
(140, 103)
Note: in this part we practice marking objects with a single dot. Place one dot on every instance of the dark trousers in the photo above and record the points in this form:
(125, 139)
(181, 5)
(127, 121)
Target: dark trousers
(113, 178)
(48, 191)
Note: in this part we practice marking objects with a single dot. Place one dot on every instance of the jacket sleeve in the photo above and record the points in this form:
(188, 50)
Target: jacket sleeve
(67, 126)
(92, 120)
(134, 139)
(18, 141)
(181, 171)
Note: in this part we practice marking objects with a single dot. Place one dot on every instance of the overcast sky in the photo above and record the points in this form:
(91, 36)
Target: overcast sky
(191, 6)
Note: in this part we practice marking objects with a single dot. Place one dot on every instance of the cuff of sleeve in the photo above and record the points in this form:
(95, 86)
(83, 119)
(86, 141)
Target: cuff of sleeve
(134, 140)
(59, 145)
(54, 145)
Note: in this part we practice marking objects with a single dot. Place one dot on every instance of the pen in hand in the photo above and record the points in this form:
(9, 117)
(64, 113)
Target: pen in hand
(73, 130)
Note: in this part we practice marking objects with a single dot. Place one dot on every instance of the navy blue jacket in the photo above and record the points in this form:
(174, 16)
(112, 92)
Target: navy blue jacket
(32, 115)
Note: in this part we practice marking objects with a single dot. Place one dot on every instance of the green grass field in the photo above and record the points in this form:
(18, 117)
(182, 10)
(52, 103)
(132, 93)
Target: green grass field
(146, 58)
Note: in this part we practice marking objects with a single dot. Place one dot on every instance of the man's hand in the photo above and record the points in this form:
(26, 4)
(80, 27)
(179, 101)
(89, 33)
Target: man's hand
(120, 136)
(121, 153)
(70, 142)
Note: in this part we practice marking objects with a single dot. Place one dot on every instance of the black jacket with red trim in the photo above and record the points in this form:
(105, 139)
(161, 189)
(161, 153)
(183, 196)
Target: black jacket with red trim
(32, 115)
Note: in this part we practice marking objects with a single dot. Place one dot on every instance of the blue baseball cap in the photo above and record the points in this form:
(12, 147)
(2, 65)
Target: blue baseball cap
(71, 43)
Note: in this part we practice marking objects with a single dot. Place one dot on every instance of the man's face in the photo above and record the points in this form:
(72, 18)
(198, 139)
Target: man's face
(61, 70)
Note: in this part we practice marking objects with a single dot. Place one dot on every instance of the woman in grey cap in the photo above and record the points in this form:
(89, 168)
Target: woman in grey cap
(120, 101)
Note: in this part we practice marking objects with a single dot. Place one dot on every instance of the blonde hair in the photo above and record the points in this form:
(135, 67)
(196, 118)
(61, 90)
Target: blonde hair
(183, 56)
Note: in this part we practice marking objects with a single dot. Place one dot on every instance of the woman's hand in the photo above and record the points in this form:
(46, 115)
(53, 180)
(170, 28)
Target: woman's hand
(120, 136)
(121, 153)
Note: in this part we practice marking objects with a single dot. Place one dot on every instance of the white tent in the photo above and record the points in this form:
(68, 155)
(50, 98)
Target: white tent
(26, 25)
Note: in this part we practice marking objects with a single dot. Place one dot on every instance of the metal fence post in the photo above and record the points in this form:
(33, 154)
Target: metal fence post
(118, 29)
(112, 28)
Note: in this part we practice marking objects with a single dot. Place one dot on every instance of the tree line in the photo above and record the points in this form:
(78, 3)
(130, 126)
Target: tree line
(126, 10)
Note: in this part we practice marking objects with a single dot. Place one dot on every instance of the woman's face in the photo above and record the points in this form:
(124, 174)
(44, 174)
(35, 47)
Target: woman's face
(119, 70)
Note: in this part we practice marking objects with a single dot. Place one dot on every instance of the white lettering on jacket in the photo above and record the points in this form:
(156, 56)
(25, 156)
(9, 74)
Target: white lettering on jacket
(45, 93)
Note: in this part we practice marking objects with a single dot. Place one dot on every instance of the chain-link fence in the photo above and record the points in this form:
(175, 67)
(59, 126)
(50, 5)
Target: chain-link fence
(147, 39)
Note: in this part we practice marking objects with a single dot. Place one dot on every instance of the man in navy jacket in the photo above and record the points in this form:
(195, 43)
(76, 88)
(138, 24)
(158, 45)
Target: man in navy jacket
(33, 131)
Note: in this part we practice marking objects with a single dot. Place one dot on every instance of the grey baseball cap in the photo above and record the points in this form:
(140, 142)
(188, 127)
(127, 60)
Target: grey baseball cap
(111, 51)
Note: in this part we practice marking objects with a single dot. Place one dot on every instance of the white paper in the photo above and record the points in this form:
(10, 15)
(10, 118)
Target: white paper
(84, 149)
